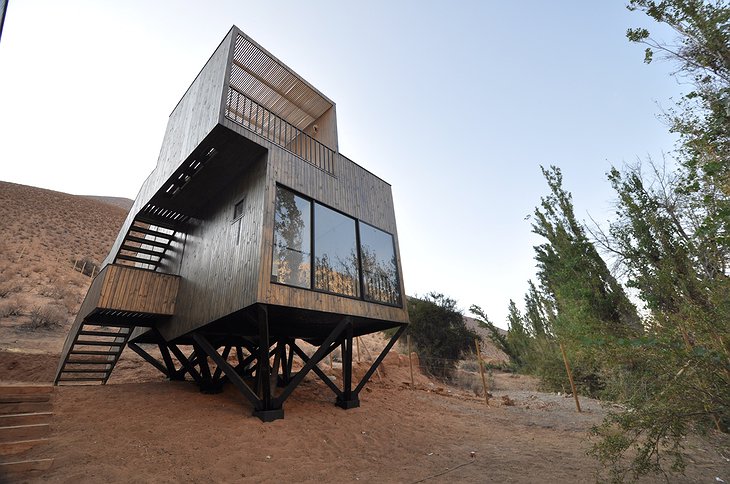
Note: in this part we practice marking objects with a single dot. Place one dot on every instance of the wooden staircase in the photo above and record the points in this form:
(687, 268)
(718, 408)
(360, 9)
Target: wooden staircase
(120, 299)
(147, 244)
(93, 354)
(25, 415)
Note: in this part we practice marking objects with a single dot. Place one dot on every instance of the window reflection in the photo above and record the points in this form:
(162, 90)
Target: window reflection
(337, 258)
(379, 266)
(335, 252)
(292, 229)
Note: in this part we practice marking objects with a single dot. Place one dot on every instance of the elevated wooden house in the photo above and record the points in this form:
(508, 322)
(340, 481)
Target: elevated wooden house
(253, 232)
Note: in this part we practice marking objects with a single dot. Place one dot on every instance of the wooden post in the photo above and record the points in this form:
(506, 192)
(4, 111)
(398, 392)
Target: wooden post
(76, 261)
(481, 370)
(331, 366)
(370, 358)
(83, 267)
(410, 360)
(570, 377)
(357, 342)
(22, 251)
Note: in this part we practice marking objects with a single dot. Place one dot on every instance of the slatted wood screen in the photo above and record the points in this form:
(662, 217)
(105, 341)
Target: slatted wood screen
(138, 290)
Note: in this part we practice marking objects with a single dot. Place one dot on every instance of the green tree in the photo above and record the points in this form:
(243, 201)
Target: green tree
(671, 237)
(439, 332)
(589, 301)
(500, 340)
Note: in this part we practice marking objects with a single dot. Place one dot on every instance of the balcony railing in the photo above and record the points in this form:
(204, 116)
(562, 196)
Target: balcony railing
(244, 111)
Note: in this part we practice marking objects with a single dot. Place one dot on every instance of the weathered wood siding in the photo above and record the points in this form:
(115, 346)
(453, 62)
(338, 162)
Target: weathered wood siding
(221, 259)
(137, 290)
(354, 191)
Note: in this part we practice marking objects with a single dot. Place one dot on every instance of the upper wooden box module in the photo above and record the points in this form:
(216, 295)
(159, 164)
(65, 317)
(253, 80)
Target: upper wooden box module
(247, 133)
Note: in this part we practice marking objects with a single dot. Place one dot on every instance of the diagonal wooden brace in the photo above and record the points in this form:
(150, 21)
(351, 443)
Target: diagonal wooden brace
(379, 360)
(229, 371)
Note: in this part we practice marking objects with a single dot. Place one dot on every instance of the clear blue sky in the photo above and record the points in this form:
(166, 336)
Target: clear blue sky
(456, 104)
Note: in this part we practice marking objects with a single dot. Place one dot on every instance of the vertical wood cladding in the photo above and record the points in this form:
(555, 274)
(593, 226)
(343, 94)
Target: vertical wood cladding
(138, 290)
(354, 191)
(221, 257)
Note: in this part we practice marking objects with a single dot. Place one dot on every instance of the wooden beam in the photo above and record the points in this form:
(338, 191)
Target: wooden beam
(229, 371)
(380, 358)
(149, 358)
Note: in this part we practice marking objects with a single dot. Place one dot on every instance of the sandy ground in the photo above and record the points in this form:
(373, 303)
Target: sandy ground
(159, 431)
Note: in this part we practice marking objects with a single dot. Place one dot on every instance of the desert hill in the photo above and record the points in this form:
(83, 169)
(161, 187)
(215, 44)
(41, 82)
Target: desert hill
(121, 202)
(48, 238)
(490, 352)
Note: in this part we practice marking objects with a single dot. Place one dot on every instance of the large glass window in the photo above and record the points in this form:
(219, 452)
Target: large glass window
(335, 252)
(369, 272)
(379, 266)
(292, 239)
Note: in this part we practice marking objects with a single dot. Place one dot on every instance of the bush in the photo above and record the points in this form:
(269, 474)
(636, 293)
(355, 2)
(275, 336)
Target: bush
(11, 308)
(439, 333)
(8, 288)
(47, 317)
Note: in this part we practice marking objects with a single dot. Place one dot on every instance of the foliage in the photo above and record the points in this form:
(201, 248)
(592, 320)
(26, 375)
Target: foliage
(439, 333)
(672, 239)
(500, 340)
(47, 317)
(577, 302)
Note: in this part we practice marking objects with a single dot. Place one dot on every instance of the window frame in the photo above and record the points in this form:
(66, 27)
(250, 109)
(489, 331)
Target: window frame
(238, 220)
(361, 281)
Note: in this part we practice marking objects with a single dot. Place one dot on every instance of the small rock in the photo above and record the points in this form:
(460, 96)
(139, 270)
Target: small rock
(507, 401)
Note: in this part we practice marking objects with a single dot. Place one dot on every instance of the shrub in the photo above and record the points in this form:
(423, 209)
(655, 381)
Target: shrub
(47, 317)
(439, 333)
(11, 308)
(8, 288)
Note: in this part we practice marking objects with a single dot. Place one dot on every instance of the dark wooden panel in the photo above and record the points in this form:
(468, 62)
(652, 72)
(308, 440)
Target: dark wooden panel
(220, 262)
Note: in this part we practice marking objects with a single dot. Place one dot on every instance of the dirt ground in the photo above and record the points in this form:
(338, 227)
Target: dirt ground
(140, 428)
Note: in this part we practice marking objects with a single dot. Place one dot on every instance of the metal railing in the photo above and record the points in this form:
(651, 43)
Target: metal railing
(244, 111)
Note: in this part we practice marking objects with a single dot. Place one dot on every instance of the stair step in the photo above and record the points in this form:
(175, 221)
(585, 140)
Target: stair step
(13, 433)
(140, 240)
(102, 333)
(155, 233)
(13, 419)
(137, 259)
(143, 251)
(91, 352)
(21, 446)
(25, 407)
(85, 362)
(81, 379)
(24, 389)
(85, 370)
(26, 466)
(155, 221)
(101, 343)
(27, 397)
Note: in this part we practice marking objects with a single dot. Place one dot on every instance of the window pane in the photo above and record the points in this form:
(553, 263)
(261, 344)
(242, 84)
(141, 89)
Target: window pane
(379, 266)
(238, 210)
(335, 252)
(292, 229)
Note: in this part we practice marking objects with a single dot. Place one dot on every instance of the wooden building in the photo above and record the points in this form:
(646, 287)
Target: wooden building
(252, 232)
